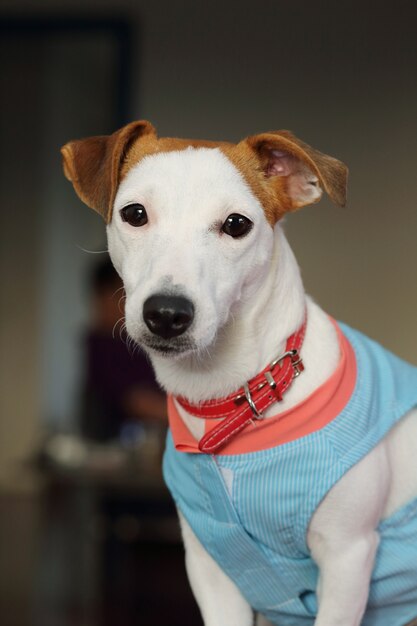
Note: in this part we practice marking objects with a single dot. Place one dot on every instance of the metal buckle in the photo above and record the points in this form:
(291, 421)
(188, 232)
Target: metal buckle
(251, 403)
(298, 367)
(240, 399)
(296, 362)
(273, 385)
(290, 353)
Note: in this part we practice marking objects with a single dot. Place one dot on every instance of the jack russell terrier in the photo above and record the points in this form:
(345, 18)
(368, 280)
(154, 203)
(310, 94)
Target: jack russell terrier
(292, 453)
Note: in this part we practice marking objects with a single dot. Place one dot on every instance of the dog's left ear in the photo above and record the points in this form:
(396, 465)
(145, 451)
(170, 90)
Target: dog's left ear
(93, 164)
(297, 172)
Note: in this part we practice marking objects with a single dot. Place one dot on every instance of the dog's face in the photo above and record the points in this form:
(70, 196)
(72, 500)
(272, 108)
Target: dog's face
(187, 234)
(190, 224)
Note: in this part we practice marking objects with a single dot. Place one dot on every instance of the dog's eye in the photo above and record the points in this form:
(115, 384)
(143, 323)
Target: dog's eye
(237, 225)
(134, 214)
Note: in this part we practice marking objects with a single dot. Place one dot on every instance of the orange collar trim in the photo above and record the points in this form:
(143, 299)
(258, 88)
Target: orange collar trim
(310, 415)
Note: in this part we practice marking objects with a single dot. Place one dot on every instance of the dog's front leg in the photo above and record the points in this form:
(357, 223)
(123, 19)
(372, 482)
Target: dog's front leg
(343, 540)
(220, 601)
(345, 572)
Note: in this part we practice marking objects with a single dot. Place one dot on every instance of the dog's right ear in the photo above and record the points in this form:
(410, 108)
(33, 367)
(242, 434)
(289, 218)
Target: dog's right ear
(93, 164)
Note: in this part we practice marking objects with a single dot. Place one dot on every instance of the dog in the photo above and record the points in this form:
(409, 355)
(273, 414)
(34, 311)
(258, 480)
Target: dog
(292, 453)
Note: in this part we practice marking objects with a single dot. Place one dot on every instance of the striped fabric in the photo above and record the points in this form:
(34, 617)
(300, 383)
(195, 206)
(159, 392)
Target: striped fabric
(251, 511)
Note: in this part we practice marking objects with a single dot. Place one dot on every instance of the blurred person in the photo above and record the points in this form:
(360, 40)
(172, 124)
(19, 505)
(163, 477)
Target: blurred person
(119, 390)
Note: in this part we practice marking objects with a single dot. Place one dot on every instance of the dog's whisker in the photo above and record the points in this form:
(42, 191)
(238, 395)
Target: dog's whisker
(120, 300)
(122, 330)
(131, 345)
(117, 290)
(115, 326)
(91, 251)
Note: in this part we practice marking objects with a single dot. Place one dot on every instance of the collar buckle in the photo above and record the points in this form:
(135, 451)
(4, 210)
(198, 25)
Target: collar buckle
(234, 415)
(297, 363)
(251, 403)
(298, 367)
(273, 385)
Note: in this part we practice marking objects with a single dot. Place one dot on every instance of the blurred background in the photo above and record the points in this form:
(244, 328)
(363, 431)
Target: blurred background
(87, 531)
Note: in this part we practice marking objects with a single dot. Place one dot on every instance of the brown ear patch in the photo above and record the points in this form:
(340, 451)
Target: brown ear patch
(290, 173)
(94, 164)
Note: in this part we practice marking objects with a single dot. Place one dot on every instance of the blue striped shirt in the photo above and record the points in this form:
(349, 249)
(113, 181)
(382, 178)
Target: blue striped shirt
(251, 511)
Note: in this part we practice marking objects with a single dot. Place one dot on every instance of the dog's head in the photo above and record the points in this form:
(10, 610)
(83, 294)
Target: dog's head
(190, 223)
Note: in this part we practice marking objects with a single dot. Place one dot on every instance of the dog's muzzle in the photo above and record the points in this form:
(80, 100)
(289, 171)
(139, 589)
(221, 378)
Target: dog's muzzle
(168, 316)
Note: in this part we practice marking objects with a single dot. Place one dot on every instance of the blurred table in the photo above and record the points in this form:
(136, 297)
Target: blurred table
(111, 550)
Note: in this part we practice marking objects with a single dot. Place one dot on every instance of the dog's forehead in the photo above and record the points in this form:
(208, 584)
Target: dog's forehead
(151, 145)
(204, 170)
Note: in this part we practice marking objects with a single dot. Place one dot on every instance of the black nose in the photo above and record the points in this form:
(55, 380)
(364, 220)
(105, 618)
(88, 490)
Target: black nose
(168, 316)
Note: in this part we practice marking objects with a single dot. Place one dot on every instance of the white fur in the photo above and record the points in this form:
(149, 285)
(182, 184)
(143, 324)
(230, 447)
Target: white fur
(248, 299)
(188, 195)
(228, 607)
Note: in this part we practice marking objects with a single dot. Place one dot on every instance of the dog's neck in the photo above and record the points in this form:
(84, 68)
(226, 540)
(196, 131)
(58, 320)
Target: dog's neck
(255, 335)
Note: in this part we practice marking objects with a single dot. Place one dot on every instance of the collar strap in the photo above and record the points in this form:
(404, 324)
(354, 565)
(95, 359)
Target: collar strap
(248, 403)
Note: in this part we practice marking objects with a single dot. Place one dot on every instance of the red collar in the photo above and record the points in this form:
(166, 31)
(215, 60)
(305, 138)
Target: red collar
(248, 403)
